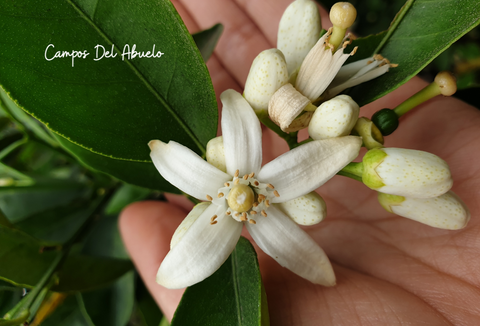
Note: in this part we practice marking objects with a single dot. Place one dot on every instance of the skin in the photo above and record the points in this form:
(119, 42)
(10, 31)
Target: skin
(390, 270)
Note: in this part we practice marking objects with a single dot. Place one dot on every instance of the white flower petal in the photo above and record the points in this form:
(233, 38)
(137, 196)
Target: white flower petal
(318, 69)
(187, 222)
(307, 167)
(298, 31)
(186, 170)
(201, 251)
(280, 238)
(242, 134)
(308, 209)
(354, 81)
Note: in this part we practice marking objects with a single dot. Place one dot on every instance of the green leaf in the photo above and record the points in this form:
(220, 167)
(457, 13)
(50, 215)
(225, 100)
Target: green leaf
(143, 174)
(69, 313)
(421, 31)
(19, 203)
(124, 196)
(231, 296)
(113, 107)
(9, 297)
(23, 262)
(113, 305)
(56, 226)
(104, 240)
(207, 40)
(24, 119)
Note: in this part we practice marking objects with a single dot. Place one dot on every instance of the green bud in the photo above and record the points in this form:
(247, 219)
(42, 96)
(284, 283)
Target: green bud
(386, 121)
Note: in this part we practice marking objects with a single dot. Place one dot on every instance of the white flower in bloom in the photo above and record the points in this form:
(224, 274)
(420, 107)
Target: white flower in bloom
(244, 196)
(320, 66)
(298, 31)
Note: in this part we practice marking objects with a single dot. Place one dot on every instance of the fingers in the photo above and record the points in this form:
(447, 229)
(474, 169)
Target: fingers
(241, 41)
(146, 229)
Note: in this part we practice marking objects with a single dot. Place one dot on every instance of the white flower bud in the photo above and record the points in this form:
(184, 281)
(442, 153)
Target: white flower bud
(216, 153)
(267, 74)
(406, 172)
(298, 31)
(320, 67)
(334, 118)
(447, 211)
(309, 209)
(187, 222)
(285, 105)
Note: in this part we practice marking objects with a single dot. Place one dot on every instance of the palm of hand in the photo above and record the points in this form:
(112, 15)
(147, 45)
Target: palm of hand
(390, 270)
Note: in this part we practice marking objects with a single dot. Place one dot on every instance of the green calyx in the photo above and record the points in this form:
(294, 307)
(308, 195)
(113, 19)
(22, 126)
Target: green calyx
(387, 201)
(371, 161)
(386, 121)
(371, 136)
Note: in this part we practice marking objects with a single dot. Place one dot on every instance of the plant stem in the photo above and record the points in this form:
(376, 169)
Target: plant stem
(425, 94)
(353, 170)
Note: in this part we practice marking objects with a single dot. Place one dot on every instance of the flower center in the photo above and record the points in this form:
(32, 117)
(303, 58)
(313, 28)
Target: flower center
(245, 199)
(241, 198)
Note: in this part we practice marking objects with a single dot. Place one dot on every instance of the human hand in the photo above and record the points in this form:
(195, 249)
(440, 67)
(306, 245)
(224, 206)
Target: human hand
(390, 270)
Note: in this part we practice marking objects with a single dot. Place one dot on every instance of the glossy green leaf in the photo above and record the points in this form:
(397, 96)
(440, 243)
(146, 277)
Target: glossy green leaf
(104, 239)
(111, 106)
(58, 225)
(19, 203)
(124, 196)
(24, 119)
(231, 296)
(207, 40)
(112, 305)
(143, 174)
(23, 262)
(421, 31)
(69, 313)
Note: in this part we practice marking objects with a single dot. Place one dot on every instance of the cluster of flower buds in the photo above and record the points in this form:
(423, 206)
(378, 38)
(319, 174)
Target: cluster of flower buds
(308, 68)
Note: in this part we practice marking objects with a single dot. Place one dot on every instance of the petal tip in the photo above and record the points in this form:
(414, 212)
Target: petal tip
(154, 143)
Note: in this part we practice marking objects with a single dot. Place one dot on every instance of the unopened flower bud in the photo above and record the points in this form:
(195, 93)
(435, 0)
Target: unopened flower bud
(447, 211)
(216, 153)
(334, 118)
(371, 135)
(267, 74)
(406, 172)
(187, 222)
(285, 105)
(309, 209)
(298, 32)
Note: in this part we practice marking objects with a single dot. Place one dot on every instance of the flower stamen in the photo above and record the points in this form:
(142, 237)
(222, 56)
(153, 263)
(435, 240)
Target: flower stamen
(209, 198)
(264, 214)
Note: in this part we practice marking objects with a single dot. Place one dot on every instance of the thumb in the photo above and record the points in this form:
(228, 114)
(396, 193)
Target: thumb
(146, 228)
